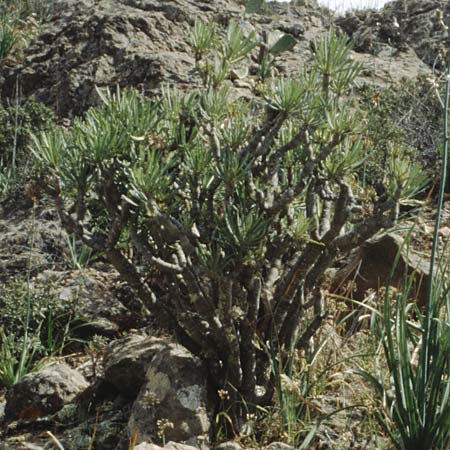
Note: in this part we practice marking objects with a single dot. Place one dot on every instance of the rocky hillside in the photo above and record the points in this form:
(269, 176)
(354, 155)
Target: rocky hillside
(109, 389)
(142, 43)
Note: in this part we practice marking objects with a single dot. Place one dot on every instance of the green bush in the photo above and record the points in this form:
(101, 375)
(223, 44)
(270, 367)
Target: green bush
(223, 214)
(409, 115)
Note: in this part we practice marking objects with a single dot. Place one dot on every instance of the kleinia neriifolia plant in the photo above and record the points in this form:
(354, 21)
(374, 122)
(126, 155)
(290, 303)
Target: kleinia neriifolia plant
(223, 214)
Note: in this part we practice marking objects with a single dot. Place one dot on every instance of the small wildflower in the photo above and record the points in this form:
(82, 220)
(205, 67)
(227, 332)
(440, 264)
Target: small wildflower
(223, 394)
(163, 425)
(151, 399)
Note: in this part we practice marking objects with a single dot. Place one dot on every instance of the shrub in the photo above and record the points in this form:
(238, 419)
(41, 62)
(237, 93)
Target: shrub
(408, 116)
(222, 214)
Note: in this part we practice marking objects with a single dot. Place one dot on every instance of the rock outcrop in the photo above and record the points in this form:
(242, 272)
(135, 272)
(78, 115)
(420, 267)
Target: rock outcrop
(143, 43)
(173, 402)
(370, 268)
(31, 239)
(126, 361)
(44, 392)
(417, 25)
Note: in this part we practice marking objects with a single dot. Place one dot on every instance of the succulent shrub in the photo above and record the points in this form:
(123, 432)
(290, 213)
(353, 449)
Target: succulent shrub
(223, 214)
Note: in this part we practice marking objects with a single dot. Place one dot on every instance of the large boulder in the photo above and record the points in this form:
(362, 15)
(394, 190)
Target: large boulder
(173, 402)
(44, 392)
(369, 268)
(126, 361)
(122, 42)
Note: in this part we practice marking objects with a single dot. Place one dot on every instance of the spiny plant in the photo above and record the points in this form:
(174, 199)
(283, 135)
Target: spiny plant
(233, 209)
(414, 399)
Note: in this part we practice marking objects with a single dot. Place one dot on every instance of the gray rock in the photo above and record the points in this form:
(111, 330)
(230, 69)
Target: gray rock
(369, 267)
(100, 309)
(173, 400)
(231, 445)
(110, 426)
(21, 232)
(278, 446)
(126, 360)
(44, 392)
(168, 446)
(147, 446)
(12, 444)
(414, 24)
(177, 446)
(2, 410)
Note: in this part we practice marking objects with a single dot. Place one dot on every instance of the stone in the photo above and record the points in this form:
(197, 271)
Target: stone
(44, 392)
(177, 446)
(168, 446)
(110, 426)
(369, 268)
(100, 308)
(2, 409)
(21, 445)
(147, 446)
(278, 446)
(173, 401)
(22, 228)
(126, 360)
(230, 445)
